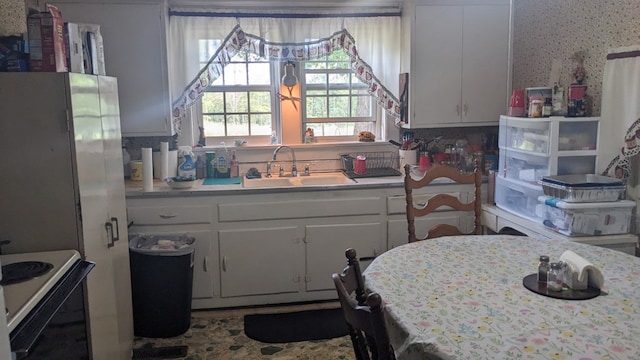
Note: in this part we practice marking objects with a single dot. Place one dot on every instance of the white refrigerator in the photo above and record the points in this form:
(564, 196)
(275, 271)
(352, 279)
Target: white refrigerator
(62, 187)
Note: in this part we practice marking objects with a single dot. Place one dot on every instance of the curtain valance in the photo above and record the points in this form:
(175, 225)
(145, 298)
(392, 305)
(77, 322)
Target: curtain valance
(239, 40)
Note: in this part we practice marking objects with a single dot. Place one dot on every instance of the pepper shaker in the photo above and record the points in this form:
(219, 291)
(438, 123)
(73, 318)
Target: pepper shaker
(543, 268)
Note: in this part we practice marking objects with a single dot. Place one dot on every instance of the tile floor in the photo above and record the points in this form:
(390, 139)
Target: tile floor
(219, 335)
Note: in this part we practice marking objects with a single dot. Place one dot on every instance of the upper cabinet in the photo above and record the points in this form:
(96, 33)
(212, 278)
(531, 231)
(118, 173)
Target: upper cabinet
(458, 59)
(135, 52)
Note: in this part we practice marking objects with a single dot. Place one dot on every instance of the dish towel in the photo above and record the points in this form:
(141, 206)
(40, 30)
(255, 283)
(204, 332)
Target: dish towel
(580, 273)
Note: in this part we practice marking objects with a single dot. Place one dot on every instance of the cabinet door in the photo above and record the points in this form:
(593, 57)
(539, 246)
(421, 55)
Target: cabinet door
(459, 65)
(485, 63)
(325, 247)
(260, 261)
(135, 53)
(436, 65)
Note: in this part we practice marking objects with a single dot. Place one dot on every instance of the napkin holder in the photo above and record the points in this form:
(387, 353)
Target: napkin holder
(579, 274)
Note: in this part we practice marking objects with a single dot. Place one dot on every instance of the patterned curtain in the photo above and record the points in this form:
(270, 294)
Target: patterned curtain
(238, 41)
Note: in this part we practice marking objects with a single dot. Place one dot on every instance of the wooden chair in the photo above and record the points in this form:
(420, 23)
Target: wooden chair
(441, 200)
(363, 313)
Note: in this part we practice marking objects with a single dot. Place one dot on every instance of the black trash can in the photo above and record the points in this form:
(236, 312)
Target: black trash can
(161, 284)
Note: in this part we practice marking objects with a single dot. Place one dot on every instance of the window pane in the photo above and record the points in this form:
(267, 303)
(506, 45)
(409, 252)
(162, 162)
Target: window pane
(316, 78)
(339, 78)
(237, 125)
(259, 74)
(235, 74)
(339, 106)
(315, 64)
(361, 106)
(316, 107)
(212, 102)
(260, 101)
(316, 92)
(261, 124)
(213, 125)
(236, 102)
(339, 92)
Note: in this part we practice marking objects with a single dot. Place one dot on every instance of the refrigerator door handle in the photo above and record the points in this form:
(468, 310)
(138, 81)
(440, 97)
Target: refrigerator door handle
(109, 227)
(117, 228)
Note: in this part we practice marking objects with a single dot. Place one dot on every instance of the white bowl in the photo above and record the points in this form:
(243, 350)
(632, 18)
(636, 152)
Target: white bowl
(179, 183)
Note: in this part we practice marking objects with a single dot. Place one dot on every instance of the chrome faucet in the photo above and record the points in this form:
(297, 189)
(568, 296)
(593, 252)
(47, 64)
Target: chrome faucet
(294, 169)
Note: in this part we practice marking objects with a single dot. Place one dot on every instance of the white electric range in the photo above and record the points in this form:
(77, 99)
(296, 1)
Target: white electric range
(58, 273)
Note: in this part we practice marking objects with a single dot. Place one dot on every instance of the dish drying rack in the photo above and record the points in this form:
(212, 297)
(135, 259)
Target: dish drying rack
(382, 163)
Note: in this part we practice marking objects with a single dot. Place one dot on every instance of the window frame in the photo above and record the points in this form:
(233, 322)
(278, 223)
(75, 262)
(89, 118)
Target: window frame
(375, 113)
(275, 70)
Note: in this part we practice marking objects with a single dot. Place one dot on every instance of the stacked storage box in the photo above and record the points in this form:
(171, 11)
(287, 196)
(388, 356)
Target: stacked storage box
(533, 148)
(584, 205)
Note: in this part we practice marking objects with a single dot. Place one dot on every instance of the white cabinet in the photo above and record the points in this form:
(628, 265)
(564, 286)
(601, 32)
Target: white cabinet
(282, 247)
(135, 52)
(458, 60)
(260, 261)
(326, 245)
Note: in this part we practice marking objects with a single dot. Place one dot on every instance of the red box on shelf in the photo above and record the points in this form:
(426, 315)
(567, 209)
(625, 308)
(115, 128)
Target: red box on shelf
(577, 92)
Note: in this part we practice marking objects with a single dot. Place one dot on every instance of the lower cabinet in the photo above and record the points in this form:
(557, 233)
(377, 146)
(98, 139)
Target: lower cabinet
(325, 247)
(274, 248)
(260, 261)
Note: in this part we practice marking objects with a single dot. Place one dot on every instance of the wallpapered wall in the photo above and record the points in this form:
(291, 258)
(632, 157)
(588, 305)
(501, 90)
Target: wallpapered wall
(554, 29)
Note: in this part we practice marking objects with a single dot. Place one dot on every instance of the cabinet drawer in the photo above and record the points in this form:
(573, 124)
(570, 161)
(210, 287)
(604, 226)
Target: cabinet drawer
(170, 215)
(296, 209)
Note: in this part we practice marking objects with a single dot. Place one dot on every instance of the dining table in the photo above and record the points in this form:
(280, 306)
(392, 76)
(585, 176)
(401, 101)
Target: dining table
(463, 297)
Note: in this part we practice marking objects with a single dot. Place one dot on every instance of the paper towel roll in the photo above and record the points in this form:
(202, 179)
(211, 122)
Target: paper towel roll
(164, 159)
(147, 169)
(173, 164)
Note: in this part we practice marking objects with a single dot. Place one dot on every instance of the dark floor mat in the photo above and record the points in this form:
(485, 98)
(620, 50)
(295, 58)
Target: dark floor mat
(296, 326)
(165, 352)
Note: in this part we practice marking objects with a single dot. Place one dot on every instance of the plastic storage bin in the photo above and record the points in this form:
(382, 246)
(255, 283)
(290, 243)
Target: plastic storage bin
(583, 188)
(585, 219)
(520, 198)
(161, 284)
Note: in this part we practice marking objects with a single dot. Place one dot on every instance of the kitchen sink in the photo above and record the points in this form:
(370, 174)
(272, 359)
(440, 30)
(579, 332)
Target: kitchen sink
(317, 179)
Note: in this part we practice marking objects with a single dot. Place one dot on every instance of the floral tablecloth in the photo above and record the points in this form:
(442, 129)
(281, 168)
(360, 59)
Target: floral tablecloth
(462, 298)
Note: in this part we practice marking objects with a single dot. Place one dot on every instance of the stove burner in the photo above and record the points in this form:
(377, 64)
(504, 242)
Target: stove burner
(23, 271)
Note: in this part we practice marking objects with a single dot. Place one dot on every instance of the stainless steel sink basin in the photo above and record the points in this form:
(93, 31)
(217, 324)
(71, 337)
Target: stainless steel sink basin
(317, 179)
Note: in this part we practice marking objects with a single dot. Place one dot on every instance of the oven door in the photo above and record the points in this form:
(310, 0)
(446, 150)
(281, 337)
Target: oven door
(25, 338)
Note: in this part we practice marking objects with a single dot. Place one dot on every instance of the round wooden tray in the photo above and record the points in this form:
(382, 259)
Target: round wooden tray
(531, 283)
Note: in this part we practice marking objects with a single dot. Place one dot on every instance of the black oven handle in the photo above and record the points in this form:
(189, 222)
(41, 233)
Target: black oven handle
(24, 336)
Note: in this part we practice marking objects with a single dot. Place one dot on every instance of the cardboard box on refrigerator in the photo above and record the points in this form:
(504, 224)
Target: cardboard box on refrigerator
(47, 50)
(75, 58)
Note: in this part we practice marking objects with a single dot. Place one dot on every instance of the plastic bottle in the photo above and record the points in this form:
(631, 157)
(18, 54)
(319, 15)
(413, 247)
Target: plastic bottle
(234, 165)
(200, 168)
(186, 164)
(274, 138)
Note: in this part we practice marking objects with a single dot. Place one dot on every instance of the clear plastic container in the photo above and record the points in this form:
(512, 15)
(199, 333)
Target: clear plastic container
(583, 188)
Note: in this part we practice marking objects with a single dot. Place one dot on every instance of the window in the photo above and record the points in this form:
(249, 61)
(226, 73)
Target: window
(337, 104)
(244, 101)
(239, 103)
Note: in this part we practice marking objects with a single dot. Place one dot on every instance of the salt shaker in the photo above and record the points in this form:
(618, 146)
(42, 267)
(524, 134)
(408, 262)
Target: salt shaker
(554, 281)
(543, 268)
